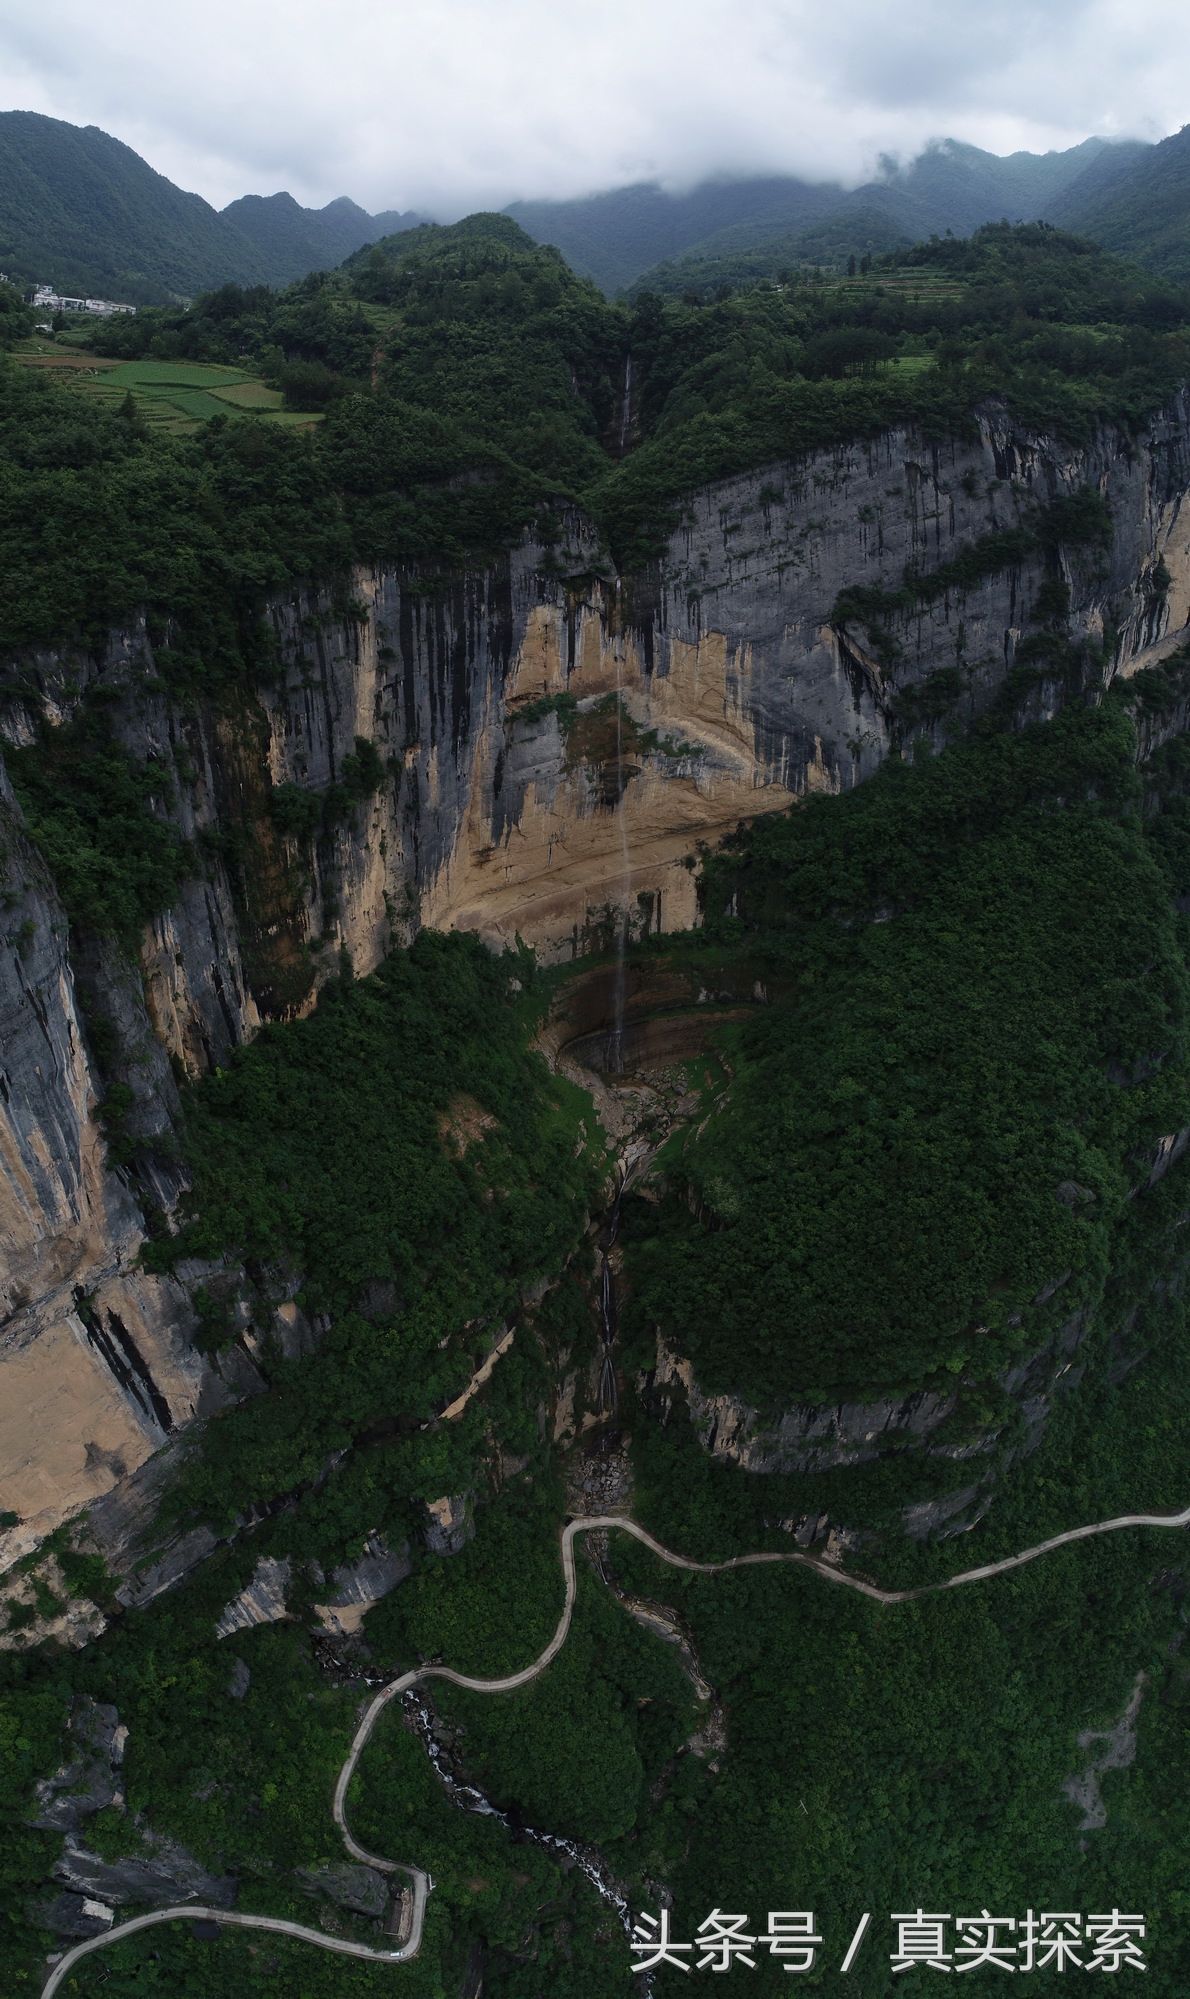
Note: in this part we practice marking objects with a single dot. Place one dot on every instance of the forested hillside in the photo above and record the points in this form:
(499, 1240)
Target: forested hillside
(83, 212)
(974, 1044)
(292, 240)
(1140, 211)
(470, 348)
(949, 189)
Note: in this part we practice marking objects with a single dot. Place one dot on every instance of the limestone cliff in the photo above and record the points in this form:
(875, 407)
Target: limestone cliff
(98, 1364)
(549, 747)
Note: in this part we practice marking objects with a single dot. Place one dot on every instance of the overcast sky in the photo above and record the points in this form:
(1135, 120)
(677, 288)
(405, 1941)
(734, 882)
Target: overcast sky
(450, 105)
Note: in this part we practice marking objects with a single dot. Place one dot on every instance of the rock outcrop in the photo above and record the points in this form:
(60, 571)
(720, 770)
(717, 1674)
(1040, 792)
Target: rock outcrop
(800, 1439)
(93, 1779)
(165, 1874)
(92, 1782)
(448, 1525)
(361, 1890)
(261, 1601)
(356, 1586)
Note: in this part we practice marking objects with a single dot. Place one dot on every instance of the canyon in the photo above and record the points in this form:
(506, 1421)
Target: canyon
(554, 746)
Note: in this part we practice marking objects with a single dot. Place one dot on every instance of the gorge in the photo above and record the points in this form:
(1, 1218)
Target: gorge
(594, 936)
(507, 798)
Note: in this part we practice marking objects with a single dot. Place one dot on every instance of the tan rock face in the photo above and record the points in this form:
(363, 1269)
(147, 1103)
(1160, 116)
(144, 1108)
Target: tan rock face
(533, 828)
(569, 864)
(649, 766)
(462, 1123)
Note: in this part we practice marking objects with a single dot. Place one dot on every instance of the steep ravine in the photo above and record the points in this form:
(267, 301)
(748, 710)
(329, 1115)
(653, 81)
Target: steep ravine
(502, 806)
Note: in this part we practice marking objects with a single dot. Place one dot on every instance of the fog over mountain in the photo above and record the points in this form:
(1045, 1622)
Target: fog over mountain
(80, 204)
(450, 107)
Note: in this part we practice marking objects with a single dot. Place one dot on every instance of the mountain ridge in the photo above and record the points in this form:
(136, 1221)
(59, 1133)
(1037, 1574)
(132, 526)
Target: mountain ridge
(82, 210)
(1141, 211)
(950, 187)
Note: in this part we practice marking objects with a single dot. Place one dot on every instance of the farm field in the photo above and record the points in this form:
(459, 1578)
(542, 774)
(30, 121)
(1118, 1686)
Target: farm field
(910, 364)
(172, 396)
(909, 286)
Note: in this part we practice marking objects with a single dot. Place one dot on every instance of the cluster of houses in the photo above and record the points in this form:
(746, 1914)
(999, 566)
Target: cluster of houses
(46, 299)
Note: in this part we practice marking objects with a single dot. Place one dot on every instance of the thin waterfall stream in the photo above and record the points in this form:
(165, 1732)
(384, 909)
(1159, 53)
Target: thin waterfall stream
(469, 1798)
(626, 404)
(615, 1048)
(609, 1395)
(608, 1392)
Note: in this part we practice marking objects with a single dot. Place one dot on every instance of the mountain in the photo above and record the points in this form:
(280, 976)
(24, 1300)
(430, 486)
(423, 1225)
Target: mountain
(958, 187)
(1142, 209)
(613, 237)
(616, 237)
(82, 211)
(292, 240)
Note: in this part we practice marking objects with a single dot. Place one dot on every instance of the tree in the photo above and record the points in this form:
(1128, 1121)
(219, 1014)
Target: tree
(131, 417)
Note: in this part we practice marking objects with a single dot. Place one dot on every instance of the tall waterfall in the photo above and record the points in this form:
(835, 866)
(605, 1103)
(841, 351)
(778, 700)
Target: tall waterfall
(626, 404)
(619, 984)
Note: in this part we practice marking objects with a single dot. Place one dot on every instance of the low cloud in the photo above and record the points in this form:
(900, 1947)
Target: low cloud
(462, 104)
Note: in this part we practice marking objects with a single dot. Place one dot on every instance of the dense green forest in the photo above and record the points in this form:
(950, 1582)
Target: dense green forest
(322, 1147)
(1014, 1025)
(83, 212)
(644, 237)
(471, 386)
(1138, 206)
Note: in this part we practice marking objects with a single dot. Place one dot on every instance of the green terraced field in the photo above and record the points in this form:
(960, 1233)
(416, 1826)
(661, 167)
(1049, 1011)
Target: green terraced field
(170, 395)
(908, 285)
(247, 394)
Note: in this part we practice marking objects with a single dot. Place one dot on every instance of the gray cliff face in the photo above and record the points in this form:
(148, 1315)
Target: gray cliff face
(814, 1437)
(349, 1592)
(360, 1889)
(97, 1359)
(166, 1874)
(808, 1438)
(92, 1780)
(509, 803)
(262, 1601)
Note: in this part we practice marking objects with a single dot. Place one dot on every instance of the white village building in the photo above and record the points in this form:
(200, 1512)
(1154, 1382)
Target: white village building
(46, 299)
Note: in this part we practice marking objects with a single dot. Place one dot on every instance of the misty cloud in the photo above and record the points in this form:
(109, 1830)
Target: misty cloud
(472, 103)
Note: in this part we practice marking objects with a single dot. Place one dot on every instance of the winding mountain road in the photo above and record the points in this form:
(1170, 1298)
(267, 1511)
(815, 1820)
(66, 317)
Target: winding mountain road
(588, 1524)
